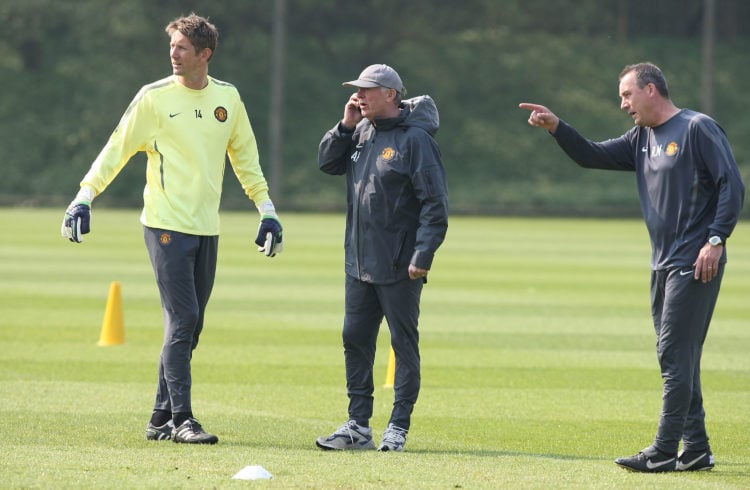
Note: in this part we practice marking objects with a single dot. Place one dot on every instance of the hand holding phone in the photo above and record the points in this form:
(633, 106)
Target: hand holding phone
(352, 112)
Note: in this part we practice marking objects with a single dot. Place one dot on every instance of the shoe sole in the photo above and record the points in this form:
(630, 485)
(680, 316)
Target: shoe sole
(326, 448)
(209, 441)
(351, 448)
(195, 442)
(645, 470)
(385, 449)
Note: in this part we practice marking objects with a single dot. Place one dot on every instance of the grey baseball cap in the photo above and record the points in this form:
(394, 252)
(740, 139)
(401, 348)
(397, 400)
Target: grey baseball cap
(378, 76)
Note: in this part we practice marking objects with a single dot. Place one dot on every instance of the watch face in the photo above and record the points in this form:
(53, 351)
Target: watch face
(714, 240)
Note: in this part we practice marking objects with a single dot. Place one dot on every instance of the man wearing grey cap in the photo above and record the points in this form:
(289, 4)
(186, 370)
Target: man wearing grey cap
(397, 217)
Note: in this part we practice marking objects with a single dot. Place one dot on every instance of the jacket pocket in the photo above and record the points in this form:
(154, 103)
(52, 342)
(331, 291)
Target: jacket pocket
(399, 249)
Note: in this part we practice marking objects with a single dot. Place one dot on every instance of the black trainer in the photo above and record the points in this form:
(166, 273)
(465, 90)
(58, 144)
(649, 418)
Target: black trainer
(650, 460)
(161, 433)
(695, 461)
(191, 432)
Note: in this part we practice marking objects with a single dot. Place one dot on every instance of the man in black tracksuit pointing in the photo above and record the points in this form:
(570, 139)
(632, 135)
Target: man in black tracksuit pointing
(691, 195)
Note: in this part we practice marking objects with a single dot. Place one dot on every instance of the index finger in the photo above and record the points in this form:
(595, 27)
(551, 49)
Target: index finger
(532, 107)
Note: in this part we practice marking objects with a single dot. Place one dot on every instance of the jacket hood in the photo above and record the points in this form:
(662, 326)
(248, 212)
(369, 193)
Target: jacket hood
(421, 112)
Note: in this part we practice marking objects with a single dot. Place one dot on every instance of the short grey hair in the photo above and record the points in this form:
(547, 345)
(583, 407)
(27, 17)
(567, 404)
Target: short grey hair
(398, 94)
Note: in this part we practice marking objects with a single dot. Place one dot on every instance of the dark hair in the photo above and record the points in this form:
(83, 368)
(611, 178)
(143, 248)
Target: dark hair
(200, 31)
(646, 73)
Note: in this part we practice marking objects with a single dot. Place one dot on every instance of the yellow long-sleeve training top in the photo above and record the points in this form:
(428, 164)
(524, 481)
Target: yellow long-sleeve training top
(186, 135)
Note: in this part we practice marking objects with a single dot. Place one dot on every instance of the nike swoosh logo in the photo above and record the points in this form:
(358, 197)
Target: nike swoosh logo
(175, 114)
(685, 466)
(685, 273)
(652, 466)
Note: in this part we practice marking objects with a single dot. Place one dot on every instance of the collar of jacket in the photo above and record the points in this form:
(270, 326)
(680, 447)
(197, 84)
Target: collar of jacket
(388, 123)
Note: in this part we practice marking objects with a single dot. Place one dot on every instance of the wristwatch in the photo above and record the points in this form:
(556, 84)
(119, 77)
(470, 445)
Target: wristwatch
(715, 240)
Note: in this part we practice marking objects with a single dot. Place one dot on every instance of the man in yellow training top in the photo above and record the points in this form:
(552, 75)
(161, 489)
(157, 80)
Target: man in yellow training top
(186, 124)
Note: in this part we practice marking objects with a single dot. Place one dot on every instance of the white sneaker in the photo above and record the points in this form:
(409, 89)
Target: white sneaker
(394, 439)
(348, 436)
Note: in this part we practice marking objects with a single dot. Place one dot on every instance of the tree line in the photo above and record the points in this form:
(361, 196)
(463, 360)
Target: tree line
(70, 68)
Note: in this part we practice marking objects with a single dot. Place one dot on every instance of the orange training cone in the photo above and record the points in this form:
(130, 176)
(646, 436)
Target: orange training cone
(390, 372)
(113, 326)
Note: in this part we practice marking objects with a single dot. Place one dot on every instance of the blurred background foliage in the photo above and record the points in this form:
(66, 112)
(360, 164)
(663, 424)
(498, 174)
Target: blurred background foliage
(70, 68)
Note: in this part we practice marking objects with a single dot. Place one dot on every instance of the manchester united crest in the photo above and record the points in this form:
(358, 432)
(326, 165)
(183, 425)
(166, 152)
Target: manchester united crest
(388, 153)
(220, 113)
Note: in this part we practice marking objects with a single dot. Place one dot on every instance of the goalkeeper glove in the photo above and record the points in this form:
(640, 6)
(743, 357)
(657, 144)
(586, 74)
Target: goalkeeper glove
(77, 220)
(269, 239)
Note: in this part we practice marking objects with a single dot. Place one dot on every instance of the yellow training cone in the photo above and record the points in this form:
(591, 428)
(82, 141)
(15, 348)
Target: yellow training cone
(390, 373)
(113, 326)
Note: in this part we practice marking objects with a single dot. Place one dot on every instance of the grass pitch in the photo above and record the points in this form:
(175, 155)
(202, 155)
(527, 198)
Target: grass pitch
(539, 365)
